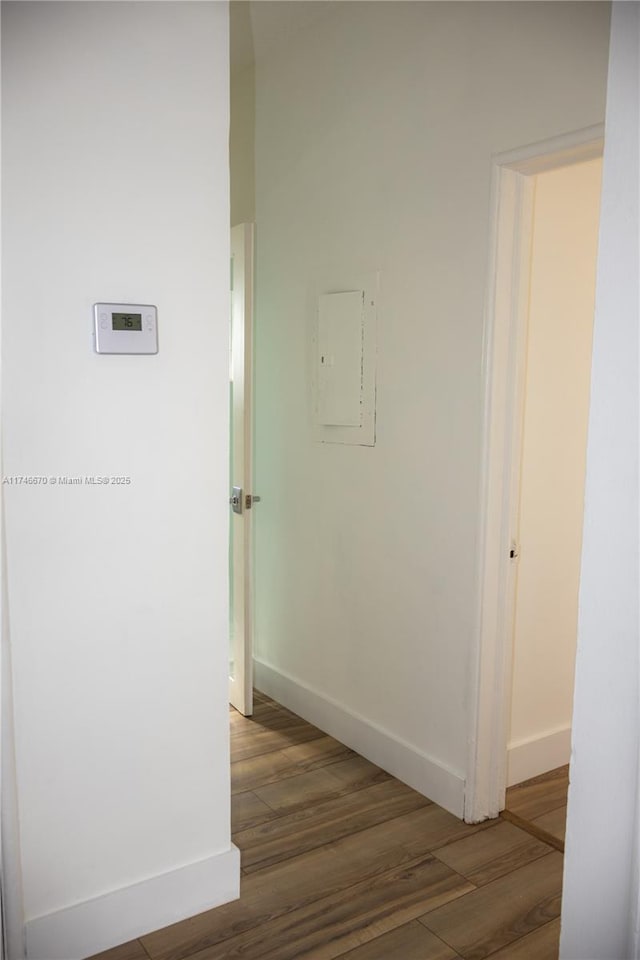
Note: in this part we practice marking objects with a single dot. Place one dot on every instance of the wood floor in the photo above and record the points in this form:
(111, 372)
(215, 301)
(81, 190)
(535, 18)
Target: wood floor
(540, 806)
(339, 859)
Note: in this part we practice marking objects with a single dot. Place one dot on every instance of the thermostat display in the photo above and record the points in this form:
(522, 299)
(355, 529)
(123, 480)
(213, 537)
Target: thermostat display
(125, 328)
(126, 321)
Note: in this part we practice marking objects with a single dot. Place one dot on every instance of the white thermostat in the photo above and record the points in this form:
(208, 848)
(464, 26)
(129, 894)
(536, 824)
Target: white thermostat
(125, 328)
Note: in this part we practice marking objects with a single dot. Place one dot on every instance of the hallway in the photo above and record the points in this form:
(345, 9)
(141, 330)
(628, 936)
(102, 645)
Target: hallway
(340, 860)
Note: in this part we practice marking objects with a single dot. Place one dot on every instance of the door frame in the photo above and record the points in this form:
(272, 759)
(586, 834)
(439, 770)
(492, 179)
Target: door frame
(503, 368)
(240, 525)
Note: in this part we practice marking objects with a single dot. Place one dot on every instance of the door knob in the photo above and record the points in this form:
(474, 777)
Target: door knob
(236, 499)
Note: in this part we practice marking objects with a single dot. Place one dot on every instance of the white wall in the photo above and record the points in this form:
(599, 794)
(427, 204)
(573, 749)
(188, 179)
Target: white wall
(374, 136)
(601, 896)
(554, 439)
(115, 187)
(242, 145)
(242, 125)
(10, 862)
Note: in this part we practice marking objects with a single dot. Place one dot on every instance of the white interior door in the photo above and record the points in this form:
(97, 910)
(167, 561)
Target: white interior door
(241, 498)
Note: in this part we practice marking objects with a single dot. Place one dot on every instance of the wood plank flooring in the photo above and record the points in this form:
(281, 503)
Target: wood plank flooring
(539, 805)
(340, 860)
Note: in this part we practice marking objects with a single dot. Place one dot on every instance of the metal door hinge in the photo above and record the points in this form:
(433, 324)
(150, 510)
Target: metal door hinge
(249, 500)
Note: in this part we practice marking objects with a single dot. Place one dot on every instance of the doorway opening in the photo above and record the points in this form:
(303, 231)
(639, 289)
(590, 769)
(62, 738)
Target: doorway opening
(525, 374)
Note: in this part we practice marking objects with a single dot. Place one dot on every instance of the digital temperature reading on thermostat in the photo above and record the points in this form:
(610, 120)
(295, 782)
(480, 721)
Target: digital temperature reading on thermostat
(126, 321)
(125, 328)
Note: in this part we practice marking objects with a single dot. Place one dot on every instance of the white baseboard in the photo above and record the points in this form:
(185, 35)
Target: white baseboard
(428, 776)
(95, 925)
(530, 758)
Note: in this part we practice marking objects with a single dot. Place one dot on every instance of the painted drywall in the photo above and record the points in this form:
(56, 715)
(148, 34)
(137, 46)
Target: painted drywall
(10, 859)
(242, 125)
(600, 893)
(374, 137)
(554, 444)
(115, 188)
(241, 146)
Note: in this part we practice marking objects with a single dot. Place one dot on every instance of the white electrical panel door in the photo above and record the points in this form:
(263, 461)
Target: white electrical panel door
(339, 358)
(125, 328)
